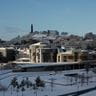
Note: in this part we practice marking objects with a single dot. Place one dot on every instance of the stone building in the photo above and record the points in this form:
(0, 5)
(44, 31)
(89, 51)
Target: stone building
(7, 54)
(72, 56)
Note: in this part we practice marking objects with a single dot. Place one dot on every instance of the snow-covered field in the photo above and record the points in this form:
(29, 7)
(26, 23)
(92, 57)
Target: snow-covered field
(56, 83)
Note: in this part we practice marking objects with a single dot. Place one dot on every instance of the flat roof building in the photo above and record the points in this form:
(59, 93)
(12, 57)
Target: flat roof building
(41, 52)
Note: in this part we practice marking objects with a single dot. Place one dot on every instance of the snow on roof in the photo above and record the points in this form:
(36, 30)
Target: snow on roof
(24, 59)
(67, 52)
(39, 35)
(92, 52)
(4, 48)
(39, 43)
(84, 51)
(43, 64)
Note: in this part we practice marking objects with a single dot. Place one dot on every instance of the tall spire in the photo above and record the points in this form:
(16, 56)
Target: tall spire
(31, 28)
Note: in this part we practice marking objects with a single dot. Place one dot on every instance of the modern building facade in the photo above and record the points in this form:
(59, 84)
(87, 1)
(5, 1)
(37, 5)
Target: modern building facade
(46, 55)
(72, 56)
(41, 52)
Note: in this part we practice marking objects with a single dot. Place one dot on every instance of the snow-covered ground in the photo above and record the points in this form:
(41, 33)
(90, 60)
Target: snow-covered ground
(56, 83)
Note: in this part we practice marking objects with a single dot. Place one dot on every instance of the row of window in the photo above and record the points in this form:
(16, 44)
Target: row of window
(70, 57)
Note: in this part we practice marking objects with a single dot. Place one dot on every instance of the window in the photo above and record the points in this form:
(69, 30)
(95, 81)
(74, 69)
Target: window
(70, 57)
(64, 58)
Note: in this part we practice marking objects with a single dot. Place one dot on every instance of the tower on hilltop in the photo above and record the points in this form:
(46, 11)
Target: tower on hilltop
(31, 28)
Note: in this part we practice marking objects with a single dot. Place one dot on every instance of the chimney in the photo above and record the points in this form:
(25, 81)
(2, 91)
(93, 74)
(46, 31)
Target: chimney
(31, 28)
